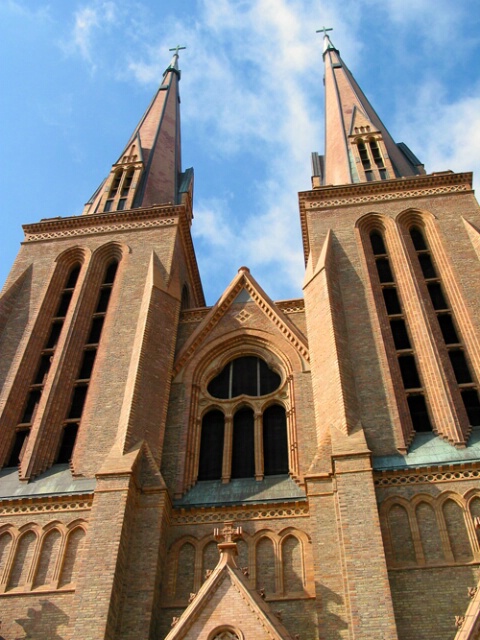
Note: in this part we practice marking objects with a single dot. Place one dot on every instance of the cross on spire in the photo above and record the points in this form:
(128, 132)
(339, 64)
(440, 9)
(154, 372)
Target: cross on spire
(177, 49)
(324, 30)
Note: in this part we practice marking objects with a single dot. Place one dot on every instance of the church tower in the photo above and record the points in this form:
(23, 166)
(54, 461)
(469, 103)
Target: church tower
(255, 470)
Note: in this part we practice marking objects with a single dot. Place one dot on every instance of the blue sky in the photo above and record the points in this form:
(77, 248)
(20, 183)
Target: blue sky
(77, 75)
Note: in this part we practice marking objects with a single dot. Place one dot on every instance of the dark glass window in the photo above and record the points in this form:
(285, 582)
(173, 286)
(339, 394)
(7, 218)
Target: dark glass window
(427, 266)
(103, 300)
(55, 332)
(127, 182)
(20, 439)
(377, 156)
(108, 206)
(364, 156)
(115, 184)
(110, 273)
(31, 406)
(73, 277)
(392, 301)
(78, 402)
(65, 299)
(245, 379)
(418, 413)
(436, 295)
(408, 369)
(378, 245)
(43, 368)
(95, 330)
(243, 457)
(211, 446)
(87, 364)
(384, 271)
(400, 334)
(247, 375)
(460, 366)
(418, 239)
(67, 444)
(275, 443)
(448, 328)
(472, 405)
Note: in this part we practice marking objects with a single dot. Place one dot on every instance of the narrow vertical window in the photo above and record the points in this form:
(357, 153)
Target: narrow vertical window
(446, 321)
(378, 159)
(401, 336)
(364, 157)
(211, 446)
(275, 441)
(117, 178)
(80, 389)
(243, 461)
(43, 367)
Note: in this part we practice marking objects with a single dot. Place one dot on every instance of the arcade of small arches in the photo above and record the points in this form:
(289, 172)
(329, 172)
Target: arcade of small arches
(277, 563)
(428, 530)
(40, 558)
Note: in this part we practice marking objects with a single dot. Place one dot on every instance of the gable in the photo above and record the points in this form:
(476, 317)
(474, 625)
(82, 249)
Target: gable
(225, 604)
(244, 307)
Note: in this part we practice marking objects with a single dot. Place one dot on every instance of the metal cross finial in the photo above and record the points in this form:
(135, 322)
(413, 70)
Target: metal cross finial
(177, 49)
(324, 30)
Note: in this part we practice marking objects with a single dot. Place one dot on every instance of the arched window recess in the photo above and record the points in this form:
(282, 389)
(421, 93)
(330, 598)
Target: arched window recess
(448, 325)
(121, 189)
(400, 333)
(372, 159)
(242, 435)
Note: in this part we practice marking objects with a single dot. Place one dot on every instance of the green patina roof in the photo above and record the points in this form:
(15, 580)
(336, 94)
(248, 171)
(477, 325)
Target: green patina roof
(241, 491)
(429, 449)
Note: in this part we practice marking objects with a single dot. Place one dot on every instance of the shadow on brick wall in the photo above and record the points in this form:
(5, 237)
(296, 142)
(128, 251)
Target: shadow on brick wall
(43, 623)
(331, 624)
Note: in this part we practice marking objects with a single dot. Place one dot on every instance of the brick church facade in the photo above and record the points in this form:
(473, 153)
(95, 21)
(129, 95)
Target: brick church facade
(256, 470)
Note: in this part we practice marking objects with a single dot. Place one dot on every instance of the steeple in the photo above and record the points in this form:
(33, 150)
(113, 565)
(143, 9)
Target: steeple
(358, 146)
(148, 171)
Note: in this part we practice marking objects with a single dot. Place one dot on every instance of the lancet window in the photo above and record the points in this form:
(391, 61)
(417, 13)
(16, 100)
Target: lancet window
(245, 434)
(121, 190)
(43, 367)
(71, 422)
(448, 327)
(400, 332)
(372, 160)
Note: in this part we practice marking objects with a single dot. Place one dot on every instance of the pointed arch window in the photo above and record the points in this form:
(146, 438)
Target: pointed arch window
(406, 357)
(120, 190)
(448, 326)
(242, 439)
(79, 393)
(372, 160)
(43, 367)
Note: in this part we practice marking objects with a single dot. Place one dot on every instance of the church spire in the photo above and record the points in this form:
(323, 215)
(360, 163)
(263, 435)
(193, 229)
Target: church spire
(358, 146)
(148, 171)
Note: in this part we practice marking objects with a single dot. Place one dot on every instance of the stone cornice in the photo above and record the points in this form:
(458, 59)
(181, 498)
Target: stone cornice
(45, 504)
(430, 474)
(194, 515)
(103, 222)
(333, 197)
(118, 221)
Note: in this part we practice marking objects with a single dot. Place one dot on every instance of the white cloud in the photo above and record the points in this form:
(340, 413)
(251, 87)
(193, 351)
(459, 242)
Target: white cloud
(445, 134)
(89, 20)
